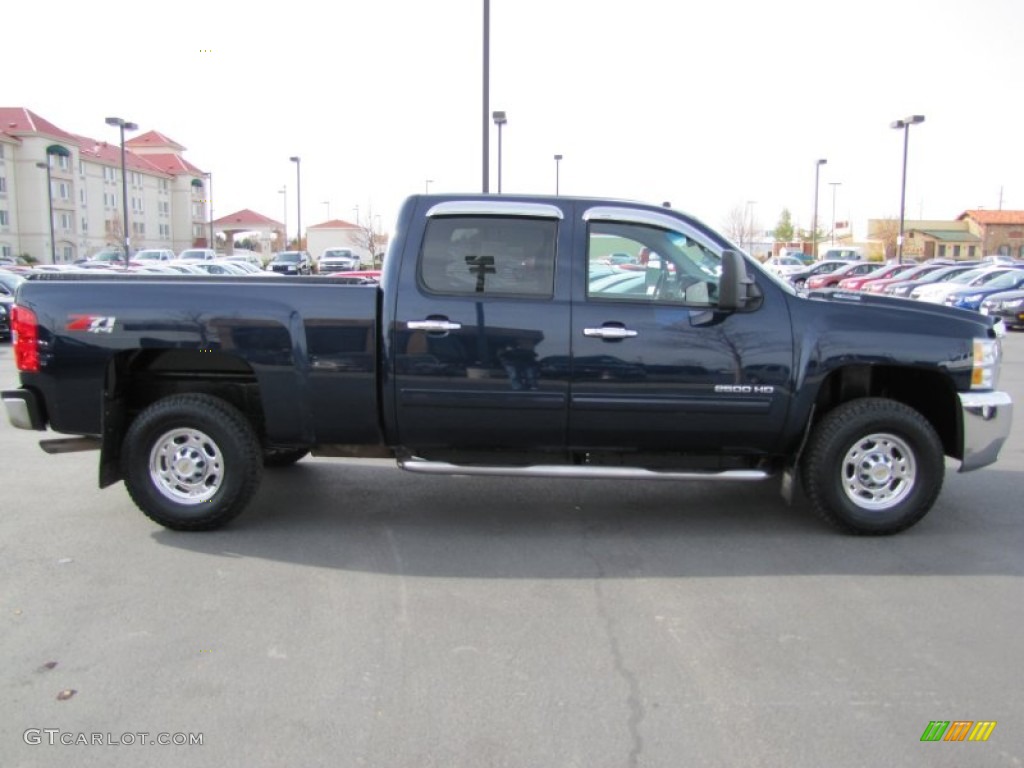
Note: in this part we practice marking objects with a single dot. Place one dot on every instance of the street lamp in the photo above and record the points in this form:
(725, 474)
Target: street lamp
(284, 191)
(558, 160)
(124, 125)
(834, 185)
(905, 124)
(59, 151)
(814, 221)
(427, 186)
(209, 194)
(499, 120)
(298, 197)
(487, 96)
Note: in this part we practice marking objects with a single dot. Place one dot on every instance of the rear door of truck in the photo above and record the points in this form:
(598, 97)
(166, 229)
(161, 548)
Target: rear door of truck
(479, 347)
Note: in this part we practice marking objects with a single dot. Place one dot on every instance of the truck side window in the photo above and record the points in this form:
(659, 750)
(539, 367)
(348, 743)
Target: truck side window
(637, 262)
(489, 255)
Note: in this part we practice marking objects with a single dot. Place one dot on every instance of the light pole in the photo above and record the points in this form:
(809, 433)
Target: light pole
(53, 149)
(814, 221)
(328, 204)
(209, 194)
(426, 186)
(124, 125)
(487, 96)
(905, 124)
(499, 120)
(558, 161)
(284, 191)
(298, 197)
(834, 185)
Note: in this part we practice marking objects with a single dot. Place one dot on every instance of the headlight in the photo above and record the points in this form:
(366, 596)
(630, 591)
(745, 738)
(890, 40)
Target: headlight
(1013, 304)
(985, 366)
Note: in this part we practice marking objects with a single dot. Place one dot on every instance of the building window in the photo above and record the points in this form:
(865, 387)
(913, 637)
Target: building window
(3, 185)
(970, 251)
(5, 250)
(4, 218)
(65, 222)
(956, 251)
(64, 190)
(1, 158)
(63, 162)
(1004, 250)
(81, 167)
(85, 224)
(942, 251)
(69, 253)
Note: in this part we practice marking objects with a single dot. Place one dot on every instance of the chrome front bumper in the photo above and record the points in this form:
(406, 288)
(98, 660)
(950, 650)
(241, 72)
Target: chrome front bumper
(986, 419)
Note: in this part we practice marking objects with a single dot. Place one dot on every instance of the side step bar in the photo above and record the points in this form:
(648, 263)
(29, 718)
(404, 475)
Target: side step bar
(582, 471)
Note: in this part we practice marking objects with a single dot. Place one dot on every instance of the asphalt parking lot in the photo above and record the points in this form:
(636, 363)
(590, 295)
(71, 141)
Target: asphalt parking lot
(361, 616)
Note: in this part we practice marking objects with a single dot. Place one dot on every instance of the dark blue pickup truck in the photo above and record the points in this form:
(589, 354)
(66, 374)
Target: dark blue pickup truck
(504, 339)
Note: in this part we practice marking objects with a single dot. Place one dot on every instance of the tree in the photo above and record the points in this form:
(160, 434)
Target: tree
(887, 231)
(741, 227)
(784, 231)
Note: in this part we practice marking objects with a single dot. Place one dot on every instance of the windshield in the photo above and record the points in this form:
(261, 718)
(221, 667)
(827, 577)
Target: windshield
(1006, 280)
(289, 258)
(338, 254)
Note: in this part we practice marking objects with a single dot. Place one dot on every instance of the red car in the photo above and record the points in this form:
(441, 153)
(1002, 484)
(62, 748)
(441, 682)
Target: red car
(879, 286)
(881, 273)
(831, 280)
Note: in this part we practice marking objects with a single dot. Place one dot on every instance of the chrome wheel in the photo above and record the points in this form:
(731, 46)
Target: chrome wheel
(878, 471)
(186, 466)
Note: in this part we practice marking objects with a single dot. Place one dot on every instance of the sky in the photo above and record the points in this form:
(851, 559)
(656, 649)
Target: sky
(713, 106)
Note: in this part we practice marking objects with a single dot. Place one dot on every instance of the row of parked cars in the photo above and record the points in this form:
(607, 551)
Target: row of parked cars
(992, 287)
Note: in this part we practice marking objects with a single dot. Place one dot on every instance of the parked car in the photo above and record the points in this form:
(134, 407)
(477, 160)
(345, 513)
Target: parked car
(857, 282)
(879, 286)
(935, 293)
(152, 256)
(831, 279)
(220, 267)
(243, 255)
(845, 252)
(784, 266)
(904, 287)
(338, 260)
(9, 283)
(971, 298)
(197, 254)
(1008, 305)
(107, 256)
(291, 263)
(799, 279)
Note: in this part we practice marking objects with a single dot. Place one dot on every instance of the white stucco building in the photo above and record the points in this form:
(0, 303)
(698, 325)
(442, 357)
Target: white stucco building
(167, 195)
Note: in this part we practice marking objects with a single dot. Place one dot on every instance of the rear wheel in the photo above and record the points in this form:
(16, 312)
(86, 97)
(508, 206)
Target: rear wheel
(873, 466)
(191, 462)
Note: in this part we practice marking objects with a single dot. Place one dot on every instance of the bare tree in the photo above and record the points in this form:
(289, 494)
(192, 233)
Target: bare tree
(368, 236)
(741, 227)
(887, 231)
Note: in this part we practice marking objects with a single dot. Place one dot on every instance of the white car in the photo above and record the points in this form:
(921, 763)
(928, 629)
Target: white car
(153, 256)
(784, 266)
(935, 293)
(197, 254)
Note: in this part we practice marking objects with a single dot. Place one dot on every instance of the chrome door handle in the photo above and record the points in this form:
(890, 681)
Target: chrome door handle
(437, 326)
(609, 332)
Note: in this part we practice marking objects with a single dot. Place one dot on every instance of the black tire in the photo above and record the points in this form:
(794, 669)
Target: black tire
(218, 467)
(276, 457)
(873, 466)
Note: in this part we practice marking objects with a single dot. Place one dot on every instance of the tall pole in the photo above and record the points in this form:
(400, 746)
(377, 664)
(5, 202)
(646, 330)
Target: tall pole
(298, 198)
(487, 96)
(904, 124)
(834, 185)
(124, 125)
(814, 221)
(49, 207)
(284, 191)
(558, 161)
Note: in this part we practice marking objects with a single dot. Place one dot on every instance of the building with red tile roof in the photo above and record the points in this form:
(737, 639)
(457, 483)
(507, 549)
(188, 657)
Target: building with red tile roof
(1000, 232)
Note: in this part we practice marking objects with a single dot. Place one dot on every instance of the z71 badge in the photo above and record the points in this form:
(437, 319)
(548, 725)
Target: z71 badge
(91, 323)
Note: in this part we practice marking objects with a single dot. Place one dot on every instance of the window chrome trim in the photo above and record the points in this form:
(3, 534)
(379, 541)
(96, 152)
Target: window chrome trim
(495, 208)
(652, 219)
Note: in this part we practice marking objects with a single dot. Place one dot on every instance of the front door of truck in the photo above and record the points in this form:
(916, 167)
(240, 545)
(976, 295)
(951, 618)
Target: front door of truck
(482, 308)
(655, 366)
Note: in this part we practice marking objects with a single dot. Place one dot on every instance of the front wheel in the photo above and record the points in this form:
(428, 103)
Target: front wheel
(191, 462)
(873, 466)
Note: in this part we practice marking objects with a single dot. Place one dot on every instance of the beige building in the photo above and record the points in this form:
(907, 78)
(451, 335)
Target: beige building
(167, 195)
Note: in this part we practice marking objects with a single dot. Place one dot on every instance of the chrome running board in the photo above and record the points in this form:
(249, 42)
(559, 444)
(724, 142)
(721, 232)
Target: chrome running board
(582, 471)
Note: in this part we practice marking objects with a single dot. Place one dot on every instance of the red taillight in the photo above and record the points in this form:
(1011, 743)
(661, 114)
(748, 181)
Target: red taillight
(26, 339)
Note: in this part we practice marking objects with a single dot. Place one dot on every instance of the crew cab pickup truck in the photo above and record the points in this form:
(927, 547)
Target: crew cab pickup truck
(501, 341)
